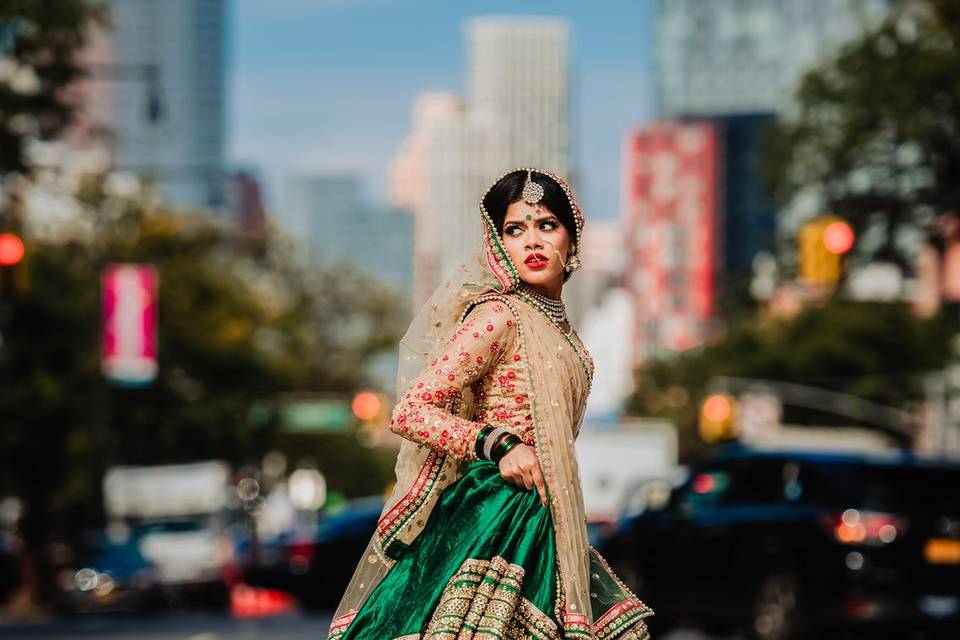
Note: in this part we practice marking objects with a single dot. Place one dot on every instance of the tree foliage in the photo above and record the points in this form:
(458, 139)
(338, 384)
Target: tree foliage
(877, 128)
(38, 40)
(233, 331)
(876, 351)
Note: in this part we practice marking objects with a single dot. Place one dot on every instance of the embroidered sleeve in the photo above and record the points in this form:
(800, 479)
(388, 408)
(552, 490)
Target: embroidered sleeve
(426, 413)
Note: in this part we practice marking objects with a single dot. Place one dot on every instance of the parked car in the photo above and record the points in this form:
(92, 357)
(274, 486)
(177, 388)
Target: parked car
(317, 566)
(790, 544)
(112, 575)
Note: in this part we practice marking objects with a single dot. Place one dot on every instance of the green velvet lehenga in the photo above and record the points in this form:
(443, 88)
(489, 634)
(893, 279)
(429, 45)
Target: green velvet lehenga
(484, 567)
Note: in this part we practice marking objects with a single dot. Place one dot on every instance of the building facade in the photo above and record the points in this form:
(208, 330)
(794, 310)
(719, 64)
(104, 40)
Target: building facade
(328, 222)
(673, 236)
(516, 114)
(728, 57)
(168, 74)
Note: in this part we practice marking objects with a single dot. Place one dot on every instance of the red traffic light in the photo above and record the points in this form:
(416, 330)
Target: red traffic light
(11, 249)
(838, 237)
(366, 405)
(717, 408)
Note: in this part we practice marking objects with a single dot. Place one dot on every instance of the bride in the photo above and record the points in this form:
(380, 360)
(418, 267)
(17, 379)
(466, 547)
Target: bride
(484, 534)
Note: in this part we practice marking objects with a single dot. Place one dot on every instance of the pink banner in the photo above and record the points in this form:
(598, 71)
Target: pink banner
(130, 323)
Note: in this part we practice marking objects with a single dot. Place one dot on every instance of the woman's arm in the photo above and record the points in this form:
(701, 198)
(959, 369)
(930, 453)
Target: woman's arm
(423, 413)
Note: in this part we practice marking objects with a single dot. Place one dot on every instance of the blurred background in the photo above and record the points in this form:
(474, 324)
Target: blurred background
(217, 217)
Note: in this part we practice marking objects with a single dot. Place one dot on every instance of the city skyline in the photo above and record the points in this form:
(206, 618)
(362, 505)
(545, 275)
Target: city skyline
(369, 60)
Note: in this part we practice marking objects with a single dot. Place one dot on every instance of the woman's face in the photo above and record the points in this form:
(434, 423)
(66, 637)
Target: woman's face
(533, 237)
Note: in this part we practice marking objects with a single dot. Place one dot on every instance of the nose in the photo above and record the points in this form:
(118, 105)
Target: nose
(532, 238)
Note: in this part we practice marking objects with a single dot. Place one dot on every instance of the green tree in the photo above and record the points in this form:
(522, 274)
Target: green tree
(876, 351)
(233, 331)
(877, 129)
(38, 40)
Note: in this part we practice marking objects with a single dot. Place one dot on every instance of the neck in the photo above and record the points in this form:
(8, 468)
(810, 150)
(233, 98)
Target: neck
(551, 291)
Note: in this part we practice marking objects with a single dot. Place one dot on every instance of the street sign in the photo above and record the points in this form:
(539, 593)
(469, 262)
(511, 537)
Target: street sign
(316, 416)
(129, 302)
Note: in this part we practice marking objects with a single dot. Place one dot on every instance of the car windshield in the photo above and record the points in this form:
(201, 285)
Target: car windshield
(905, 489)
(171, 526)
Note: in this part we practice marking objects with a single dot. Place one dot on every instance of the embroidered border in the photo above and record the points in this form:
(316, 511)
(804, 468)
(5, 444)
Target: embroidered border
(624, 617)
(338, 626)
(619, 618)
(576, 625)
(392, 523)
(482, 600)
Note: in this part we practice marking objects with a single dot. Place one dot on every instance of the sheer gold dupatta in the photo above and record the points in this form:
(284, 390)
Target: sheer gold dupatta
(560, 371)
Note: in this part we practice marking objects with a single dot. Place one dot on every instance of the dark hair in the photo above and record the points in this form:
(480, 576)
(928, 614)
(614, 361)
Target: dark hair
(509, 189)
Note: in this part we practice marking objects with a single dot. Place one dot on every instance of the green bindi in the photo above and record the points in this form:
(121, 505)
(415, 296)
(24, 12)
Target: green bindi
(529, 217)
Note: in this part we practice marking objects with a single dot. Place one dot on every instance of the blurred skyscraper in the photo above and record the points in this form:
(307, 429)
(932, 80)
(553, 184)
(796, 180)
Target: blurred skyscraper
(329, 223)
(520, 88)
(726, 57)
(517, 114)
(168, 75)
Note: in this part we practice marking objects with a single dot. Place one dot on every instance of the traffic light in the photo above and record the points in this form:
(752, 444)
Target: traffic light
(371, 409)
(12, 252)
(718, 417)
(822, 243)
(372, 413)
(11, 249)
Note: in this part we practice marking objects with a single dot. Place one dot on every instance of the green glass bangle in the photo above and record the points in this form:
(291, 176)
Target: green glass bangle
(504, 446)
(504, 450)
(481, 438)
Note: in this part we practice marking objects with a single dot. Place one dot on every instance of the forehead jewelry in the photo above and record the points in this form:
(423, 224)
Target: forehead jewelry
(532, 192)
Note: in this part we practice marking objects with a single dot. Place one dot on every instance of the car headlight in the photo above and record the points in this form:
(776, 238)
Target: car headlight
(86, 579)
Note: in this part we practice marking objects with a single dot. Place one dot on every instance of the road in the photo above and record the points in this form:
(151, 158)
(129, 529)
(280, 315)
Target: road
(196, 626)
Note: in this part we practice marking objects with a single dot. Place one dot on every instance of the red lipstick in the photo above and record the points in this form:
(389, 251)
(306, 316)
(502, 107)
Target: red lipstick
(536, 261)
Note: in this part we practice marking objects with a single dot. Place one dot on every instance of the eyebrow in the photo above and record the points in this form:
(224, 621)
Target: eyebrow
(549, 216)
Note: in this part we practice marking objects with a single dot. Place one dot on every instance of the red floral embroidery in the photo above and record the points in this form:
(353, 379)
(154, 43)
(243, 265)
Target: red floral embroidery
(434, 408)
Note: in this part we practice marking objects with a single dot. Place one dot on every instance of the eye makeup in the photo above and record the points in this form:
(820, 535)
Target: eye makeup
(549, 220)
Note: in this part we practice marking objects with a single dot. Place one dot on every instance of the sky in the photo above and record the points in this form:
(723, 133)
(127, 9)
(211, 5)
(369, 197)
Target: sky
(329, 85)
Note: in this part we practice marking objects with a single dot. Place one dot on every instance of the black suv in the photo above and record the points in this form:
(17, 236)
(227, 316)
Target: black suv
(794, 544)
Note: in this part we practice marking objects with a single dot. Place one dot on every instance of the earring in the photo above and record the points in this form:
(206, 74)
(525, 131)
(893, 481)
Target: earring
(573, 260)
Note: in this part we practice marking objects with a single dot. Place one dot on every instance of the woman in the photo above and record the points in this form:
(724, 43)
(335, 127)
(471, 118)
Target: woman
(484, 534)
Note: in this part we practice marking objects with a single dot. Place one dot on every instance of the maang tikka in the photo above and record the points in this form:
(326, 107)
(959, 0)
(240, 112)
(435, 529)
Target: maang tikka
(532, 192)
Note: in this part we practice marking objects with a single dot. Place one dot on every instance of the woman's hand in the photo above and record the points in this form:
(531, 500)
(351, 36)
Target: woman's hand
(521, 467)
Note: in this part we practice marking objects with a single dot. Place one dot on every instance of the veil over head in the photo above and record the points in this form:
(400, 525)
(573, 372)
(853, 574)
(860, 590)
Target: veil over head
(485, 269)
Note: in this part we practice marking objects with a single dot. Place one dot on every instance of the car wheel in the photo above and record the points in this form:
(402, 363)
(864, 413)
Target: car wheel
(774, 614)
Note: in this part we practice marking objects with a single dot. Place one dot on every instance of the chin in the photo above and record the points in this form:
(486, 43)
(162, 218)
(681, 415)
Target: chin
(540, 278)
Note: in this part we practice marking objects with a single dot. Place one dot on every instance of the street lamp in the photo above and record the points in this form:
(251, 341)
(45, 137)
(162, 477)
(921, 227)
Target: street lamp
(148, 73)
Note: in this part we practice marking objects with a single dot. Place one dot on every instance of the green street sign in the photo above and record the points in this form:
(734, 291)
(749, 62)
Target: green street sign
(316, 416)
